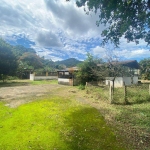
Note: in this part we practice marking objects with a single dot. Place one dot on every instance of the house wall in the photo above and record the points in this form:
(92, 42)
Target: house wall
(135, 80)
(127, 80)
(119, 81)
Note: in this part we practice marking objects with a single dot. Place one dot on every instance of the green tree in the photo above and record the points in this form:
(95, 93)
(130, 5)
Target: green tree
(88, 70)
(123, 18)
(145, 69)
(19, 50)
(8, 62)
(24, 69)
(31, 60)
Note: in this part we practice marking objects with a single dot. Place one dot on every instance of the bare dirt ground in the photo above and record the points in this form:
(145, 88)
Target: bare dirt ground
(17, 95)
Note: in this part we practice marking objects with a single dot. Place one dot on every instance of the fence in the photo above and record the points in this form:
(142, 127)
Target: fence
(99, 91)
(138, 93)
(33, 77)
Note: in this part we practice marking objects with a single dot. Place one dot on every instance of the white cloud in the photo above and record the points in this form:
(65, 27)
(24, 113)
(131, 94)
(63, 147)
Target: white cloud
(132, 54)
(71, 18)
(48, 39)
(99, 51)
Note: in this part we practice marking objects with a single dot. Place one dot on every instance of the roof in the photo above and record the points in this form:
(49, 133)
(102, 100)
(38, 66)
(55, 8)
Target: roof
(128, 63)
(72, 69)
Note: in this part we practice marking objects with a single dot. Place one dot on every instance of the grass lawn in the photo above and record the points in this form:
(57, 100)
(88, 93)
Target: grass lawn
(55, 124)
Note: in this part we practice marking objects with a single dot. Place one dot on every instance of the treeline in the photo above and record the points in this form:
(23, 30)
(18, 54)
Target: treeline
(18, 61)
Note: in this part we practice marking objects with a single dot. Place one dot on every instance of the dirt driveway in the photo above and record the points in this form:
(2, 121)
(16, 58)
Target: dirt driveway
(17, 95)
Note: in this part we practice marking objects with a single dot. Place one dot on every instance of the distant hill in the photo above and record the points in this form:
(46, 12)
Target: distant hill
(71, 62)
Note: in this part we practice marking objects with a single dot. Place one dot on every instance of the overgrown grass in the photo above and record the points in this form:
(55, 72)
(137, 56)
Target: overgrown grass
(54, 123)
(98, 92)
(137, 115)
(134, 116)
(135, 94)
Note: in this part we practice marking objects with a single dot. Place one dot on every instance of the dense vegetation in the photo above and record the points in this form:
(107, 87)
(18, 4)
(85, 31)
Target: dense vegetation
(19, 61)
(145, 69)
(89, 71)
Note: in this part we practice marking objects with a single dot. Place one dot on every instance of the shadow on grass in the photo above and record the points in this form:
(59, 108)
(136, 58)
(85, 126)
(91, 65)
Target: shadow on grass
(87, 130)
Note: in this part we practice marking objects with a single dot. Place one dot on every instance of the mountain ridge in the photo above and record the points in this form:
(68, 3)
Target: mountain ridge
(70, 62)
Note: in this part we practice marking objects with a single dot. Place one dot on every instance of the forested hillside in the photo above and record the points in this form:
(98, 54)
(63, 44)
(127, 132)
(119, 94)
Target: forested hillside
(20, 61)
(71, 62)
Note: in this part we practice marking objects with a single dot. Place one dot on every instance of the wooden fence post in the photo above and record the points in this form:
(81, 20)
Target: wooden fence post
(111, 94)
(149, 89)
(125, 94)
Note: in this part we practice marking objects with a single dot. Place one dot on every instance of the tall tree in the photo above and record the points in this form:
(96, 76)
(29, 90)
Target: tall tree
(145, 69)
(31, 59)
(19, 50)
(8, 62)
(123, 18)
(88, 70)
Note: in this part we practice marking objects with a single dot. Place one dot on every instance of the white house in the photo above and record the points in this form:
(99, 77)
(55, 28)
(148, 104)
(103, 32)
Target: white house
(129, 78)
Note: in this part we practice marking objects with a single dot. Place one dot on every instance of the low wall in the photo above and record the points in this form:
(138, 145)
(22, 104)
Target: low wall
(65, 81)
(33, 77)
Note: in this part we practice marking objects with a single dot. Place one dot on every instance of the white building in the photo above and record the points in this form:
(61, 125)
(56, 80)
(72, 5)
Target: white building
(123, 78)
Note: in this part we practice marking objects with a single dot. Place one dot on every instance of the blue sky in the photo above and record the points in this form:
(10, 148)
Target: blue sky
(59, 30)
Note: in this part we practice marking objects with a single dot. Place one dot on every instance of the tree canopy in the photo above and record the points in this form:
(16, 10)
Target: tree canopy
(8, 62)
(145, 69)
(19, 61)
(88, 70)
(123, 18)
(32, 60)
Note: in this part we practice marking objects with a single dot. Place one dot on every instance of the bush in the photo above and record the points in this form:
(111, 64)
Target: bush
(81, 87)
(12, 78)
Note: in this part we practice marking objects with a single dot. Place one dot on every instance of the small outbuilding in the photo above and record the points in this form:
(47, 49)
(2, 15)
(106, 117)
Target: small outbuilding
(67, 77)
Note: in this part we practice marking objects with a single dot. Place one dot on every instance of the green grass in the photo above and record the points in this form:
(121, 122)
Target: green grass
(52, 124)
(137, 115)
(40, 82)
(11, 83)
